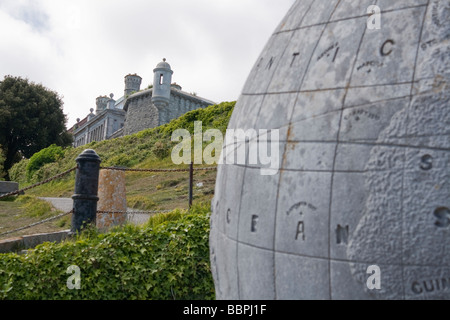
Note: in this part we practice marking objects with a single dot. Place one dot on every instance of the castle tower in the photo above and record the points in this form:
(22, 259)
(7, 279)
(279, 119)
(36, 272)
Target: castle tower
(101, 103)
(161, 84)
(132, 84)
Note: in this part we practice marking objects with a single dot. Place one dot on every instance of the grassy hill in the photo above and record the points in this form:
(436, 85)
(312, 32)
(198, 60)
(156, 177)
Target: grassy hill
(146, 191)
(166, 258)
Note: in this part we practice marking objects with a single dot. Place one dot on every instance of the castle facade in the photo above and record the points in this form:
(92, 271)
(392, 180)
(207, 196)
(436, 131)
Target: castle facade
(137, 109)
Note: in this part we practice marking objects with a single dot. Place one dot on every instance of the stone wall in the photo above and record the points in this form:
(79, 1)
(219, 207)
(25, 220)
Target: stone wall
(115, 121)
(141, 114)
(31, 241)
(179, 105)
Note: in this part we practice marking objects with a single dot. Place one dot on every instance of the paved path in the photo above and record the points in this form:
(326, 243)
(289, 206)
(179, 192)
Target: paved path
(66, 204)
(63, 204)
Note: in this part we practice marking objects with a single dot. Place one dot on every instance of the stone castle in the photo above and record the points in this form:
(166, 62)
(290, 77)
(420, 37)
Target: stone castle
(137, 109)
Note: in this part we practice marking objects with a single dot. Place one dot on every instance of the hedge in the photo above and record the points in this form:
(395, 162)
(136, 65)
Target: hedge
(169, 260)
(47, 155)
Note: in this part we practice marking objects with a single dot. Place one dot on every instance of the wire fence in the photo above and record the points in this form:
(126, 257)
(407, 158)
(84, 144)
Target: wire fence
(37, 223)
(157, 170)
(21, 191)
(131, 214)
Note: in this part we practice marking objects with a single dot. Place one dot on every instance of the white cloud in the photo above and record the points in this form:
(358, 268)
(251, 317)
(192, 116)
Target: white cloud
(83, 49)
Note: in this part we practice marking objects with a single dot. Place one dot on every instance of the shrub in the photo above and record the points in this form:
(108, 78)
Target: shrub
(2, 161)
(161, 149)
(121, 160)
(140, 202)
(162, 260)
(216, 116)
(47, 155)
(163, 217)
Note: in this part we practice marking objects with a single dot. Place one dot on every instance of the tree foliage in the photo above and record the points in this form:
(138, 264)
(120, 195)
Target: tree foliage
(2, 161)
(47, 155)
(31, 118)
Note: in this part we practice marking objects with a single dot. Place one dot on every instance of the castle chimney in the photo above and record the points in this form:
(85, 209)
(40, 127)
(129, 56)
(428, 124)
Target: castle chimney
(101, 103)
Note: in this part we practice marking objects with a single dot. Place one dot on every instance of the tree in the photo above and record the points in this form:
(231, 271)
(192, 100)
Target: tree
(31, 118)
(2, 161)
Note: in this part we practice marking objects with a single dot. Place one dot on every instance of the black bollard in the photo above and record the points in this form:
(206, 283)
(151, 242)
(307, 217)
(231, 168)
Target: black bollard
(86, 190)
(191, 183)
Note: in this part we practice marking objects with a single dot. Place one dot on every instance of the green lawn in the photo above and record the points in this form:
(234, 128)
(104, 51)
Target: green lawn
(25, 211)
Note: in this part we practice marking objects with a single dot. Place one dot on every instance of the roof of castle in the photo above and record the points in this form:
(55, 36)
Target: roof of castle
(83, 123)
(163, 65)
(78, 125)
(173, 91)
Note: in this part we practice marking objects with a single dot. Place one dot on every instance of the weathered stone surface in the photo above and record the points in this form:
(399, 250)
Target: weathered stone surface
(143, 114)
(31, 241)
(11, 244)
(8, 186)
(112, 198)
(364, 120)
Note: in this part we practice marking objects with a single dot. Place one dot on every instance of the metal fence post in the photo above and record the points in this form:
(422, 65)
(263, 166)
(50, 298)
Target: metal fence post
(191, 183)
(86, 190)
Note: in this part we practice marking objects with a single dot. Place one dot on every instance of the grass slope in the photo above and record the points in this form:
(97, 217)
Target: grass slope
(150, 148)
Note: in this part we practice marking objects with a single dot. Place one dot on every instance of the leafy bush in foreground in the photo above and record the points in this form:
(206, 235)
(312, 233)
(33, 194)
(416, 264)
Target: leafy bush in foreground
(47, 155)
(161, 260)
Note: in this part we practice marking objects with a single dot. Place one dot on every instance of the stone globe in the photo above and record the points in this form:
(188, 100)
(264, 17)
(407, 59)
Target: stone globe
(350, 102)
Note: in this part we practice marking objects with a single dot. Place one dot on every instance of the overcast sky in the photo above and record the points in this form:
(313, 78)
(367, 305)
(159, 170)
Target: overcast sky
(83, 49)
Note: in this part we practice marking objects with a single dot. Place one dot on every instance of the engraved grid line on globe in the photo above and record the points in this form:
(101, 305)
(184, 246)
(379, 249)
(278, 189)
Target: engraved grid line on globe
(404, 151)
(317, 170)
(244, 174)
(277, 63)
(349, 18)
(334, 88)
(276, 206)
(332, 185)
(325, 259)
(394, 136)
(325, 24)
(285, 149)
(359, 142)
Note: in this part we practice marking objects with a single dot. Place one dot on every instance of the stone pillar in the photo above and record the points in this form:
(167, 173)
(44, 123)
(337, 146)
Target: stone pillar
(86, 185)
(112, 195)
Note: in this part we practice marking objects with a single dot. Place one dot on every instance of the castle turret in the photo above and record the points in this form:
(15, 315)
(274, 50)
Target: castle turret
(161, 84)
(101, 103)
(132, 84)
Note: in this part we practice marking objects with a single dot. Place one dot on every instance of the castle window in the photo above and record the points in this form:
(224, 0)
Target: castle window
(161, 78)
